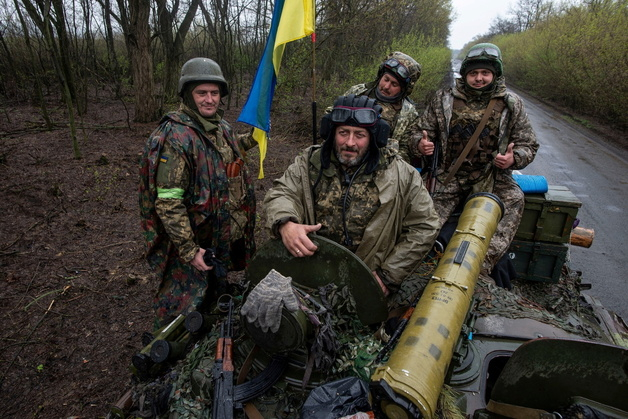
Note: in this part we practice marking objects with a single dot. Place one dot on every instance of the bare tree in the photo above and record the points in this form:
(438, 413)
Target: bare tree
(501, 26)
(38, 85)
(218, 26)
(134, 18)
(527, 13)
(48, 16)
(172, 39)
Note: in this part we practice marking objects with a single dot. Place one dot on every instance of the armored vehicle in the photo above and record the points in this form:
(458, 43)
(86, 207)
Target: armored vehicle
(462, 347)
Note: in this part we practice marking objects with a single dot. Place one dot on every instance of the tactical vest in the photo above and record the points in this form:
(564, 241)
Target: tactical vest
(464, 120)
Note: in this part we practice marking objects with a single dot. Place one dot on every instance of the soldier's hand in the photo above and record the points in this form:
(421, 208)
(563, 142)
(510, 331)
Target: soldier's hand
(383, 286)
(426, 147)
(504, 161)
(294, 237)
(198, 262)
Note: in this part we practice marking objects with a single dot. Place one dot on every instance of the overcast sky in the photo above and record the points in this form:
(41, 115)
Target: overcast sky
(474, 17)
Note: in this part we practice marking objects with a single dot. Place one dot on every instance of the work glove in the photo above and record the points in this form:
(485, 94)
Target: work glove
(263, 305)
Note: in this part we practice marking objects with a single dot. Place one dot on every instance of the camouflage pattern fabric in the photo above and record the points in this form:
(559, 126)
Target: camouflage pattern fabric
(335, 201)
(514, 125)
(201, 217)
(450, 119)
(400, 116)
(401, 229)
(464, 119)
(507, 191)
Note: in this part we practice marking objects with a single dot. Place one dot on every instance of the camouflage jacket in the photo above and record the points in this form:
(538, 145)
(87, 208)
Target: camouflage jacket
(400, 117)
(400, 231)
(206, 197)
(514, 125)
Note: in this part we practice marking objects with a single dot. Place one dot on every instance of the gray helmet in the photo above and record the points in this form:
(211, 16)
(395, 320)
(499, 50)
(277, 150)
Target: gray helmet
(484, 55)
(202, 70)
(397, 63)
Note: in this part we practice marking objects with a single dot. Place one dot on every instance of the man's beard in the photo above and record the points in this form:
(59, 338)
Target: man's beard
(355, 161)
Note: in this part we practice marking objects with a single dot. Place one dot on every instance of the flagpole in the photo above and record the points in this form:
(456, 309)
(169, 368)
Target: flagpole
(314, 121)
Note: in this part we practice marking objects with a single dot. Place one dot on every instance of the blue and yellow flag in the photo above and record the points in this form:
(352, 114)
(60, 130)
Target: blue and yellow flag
(292, 20)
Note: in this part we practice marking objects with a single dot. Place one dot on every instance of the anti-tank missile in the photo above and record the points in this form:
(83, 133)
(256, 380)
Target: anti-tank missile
(409, 384)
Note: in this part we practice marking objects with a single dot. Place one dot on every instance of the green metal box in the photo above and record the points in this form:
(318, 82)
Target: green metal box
(538, 261)
(549, 217)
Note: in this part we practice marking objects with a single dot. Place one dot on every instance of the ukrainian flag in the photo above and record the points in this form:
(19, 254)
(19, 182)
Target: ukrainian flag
(292, 20)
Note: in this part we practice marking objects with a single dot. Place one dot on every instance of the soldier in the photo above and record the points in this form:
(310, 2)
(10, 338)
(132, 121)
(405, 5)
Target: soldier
(504, 141)
(195, 194)
(358, 192)
(391, 89)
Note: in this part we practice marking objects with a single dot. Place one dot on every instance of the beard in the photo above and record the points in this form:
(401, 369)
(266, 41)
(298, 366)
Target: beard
(353, 161)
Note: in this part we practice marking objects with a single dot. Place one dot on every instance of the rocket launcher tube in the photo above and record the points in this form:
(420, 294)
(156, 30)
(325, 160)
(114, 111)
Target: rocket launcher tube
(417, 366)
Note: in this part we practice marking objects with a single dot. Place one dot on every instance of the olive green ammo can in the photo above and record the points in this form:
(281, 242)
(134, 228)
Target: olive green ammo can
(549, 216)
(538, 261)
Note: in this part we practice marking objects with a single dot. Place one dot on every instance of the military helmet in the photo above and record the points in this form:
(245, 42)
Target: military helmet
(405, 69)
(358, 111)
(202, 70)
(484, 55)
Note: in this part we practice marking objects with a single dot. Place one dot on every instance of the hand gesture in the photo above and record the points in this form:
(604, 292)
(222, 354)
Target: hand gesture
(426, 147)
(504, 161)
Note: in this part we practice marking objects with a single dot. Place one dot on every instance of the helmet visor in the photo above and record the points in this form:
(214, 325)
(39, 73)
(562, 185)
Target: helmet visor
(346, 115)
(489, 52)
(396, 67)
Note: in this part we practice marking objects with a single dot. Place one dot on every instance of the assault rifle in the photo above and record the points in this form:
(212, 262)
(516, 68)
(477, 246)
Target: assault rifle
(223, 403)
(403, 321)
(430, 180)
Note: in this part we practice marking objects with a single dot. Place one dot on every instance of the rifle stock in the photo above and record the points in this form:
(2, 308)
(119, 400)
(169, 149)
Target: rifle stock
(223, 403)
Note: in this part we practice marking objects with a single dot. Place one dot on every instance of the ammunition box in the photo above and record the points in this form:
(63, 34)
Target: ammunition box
(549, 217)
(538, 261)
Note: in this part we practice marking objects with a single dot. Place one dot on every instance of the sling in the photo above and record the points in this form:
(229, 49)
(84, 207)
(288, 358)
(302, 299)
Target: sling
(474, 138)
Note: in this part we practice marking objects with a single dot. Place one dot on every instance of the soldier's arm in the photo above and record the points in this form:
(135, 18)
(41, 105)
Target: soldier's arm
(522, 135)
(172, 181)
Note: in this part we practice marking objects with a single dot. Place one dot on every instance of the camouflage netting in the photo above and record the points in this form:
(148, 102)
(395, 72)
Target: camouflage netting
(349, 348)
(558, 304)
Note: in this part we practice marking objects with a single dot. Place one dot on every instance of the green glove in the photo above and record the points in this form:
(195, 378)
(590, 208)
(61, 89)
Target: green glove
(263, 305)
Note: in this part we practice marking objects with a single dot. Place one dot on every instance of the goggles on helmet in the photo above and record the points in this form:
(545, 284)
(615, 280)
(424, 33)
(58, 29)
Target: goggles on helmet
(488, 51)
(396, 67)
(346, 114)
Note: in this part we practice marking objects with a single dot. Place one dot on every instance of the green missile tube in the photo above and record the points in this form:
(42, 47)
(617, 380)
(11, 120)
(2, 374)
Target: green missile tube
(410, 382)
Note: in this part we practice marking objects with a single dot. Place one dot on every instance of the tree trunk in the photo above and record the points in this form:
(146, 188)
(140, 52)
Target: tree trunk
(138, 42)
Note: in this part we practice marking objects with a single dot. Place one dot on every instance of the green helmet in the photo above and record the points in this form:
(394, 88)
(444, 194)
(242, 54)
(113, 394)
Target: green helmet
(202, 70)
(484, 55)
(405, 68)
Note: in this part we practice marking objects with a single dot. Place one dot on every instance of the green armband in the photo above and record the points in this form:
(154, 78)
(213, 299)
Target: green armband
(175, 193)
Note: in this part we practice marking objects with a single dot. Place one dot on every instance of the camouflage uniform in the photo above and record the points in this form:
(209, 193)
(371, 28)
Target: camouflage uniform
(191, 197)
(400, 114)
(389, 215)
(450, 120)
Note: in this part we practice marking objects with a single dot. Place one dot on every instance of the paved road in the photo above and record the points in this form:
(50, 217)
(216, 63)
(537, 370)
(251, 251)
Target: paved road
(597, 173)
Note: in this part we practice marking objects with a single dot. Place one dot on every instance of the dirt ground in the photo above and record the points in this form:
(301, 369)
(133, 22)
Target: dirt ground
(75, 291)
